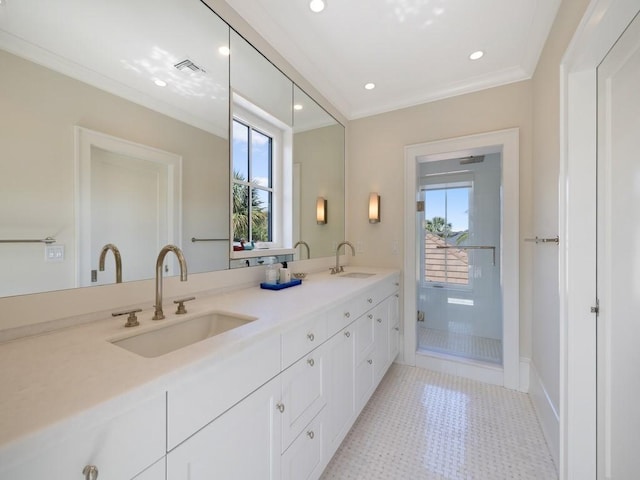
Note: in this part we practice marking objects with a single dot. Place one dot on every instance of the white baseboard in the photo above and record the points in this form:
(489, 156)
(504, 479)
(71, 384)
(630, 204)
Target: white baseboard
(547, 413)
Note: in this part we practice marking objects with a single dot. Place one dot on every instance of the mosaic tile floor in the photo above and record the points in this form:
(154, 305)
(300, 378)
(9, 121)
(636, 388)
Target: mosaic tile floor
(460, 344)
(422, 425)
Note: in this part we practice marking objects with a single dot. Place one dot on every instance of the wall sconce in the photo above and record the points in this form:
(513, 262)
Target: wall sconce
(321, 211)
(374, 208)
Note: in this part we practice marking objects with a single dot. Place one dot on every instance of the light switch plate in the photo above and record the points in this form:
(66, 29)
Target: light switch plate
(54, 253)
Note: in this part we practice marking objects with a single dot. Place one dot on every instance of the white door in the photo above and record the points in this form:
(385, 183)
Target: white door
(128, 209)
(618, 273)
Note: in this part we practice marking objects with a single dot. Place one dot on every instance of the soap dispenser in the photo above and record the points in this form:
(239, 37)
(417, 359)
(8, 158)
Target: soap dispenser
(271, 271)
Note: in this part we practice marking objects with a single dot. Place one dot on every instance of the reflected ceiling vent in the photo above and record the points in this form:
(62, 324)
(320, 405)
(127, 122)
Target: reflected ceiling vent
(187, 64)
(472, 159)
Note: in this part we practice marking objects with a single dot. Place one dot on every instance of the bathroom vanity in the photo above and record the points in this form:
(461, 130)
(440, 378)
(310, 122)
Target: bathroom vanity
(271, 398)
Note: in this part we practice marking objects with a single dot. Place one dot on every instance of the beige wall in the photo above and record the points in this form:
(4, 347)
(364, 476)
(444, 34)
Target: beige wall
(40, 109)
(546, 169)
(375, 162)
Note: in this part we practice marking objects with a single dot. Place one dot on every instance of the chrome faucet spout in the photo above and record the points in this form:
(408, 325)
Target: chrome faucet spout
(158, 313)
(306, 245)
(117, 257)
(338, 268)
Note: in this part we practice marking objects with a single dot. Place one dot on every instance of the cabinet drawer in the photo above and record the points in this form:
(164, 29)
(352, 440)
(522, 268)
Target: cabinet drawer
(212, 389)
(303, 393)
(303, 338)
(304, 458)
(343, 315)
(118, 445)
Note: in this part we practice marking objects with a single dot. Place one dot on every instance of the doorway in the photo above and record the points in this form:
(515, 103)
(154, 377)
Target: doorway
(504, 368)
(459, 294)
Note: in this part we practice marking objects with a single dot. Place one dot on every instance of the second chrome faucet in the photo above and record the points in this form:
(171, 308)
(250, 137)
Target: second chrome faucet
(338, 268)
(158, 313)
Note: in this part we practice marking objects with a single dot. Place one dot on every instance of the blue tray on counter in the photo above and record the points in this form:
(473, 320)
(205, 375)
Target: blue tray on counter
(280, 286)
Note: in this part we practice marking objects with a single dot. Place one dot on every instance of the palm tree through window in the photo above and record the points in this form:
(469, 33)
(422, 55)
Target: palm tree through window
(252, 184)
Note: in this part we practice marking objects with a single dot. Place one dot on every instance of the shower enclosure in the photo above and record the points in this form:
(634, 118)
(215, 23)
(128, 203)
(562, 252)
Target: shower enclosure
(459, 288)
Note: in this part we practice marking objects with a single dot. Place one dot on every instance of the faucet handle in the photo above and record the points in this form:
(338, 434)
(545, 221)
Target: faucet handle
(180, 302)
(132, 320)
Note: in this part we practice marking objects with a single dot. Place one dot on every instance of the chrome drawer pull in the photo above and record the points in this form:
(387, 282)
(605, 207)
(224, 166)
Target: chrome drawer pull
(90, 472)
(310, 434)
(311, 362)
(311, 337)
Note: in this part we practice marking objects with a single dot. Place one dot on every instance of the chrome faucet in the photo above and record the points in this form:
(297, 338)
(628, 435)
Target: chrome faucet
(338, 268)
(116, 255)
(158, 314)
(306, 245)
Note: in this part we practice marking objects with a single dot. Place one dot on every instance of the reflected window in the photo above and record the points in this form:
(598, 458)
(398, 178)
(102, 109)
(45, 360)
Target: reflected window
(252, 183)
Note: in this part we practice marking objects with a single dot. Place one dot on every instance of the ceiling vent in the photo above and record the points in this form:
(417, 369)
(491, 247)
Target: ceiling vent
(187, 64)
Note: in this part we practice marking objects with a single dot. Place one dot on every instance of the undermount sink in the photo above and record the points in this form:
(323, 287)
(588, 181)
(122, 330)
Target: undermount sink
(357, 275)
(178, 335)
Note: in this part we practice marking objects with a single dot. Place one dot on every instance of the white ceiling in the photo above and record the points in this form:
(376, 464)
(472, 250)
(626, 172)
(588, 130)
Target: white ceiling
(415, 51)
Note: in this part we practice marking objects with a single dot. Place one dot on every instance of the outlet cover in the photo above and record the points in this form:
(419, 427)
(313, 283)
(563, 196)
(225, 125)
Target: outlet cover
(54, 253)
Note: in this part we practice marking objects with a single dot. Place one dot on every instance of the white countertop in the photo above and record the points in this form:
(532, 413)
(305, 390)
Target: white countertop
(49, 378)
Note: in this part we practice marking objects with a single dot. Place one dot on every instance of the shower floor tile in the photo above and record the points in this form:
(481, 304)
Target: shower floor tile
(460, 344)
(422, 425)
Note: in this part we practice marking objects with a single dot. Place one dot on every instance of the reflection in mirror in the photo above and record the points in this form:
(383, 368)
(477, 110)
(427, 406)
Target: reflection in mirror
(159, 83)
(318, 166)
(260, 155)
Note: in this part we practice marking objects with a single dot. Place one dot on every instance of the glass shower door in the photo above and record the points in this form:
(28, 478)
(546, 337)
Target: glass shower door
(459, 298)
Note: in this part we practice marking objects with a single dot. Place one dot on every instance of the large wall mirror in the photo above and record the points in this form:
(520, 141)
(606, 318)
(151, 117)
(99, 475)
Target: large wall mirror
(109, 104)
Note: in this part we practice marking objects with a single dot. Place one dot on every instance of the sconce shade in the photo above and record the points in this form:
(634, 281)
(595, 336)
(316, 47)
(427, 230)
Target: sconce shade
(374, 208)
(321, 211)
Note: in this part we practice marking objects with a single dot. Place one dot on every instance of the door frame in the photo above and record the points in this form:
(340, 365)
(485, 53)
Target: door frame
(601, 26)
(85, 139)
(507, 143)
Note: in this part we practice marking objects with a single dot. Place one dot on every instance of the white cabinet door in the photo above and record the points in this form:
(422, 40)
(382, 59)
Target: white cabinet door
(242, 444)
(116, 440)
(394, 326)
(304, 458)
(381, 340)
(303, 393)
(340, 409)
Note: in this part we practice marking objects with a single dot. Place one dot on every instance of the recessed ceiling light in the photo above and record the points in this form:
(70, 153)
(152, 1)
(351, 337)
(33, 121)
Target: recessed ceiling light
(476, 55)
(297, 106)
(160, 83)
(316, 5)
(224, 50)
(370, 86)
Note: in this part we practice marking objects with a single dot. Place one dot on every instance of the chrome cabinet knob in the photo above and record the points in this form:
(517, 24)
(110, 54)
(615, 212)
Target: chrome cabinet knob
(369, 316)
(311, 337)
(397, 329)
(310, 434)
(379, 320)
(90, 472)
(311, 362)
(347, 334)
(370, 362)
(280, 407)
(370, 300)
(347, 314)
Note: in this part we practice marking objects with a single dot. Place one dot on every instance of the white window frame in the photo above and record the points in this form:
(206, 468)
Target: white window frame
(281, 177)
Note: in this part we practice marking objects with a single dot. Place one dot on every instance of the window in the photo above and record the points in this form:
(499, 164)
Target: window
(446, 226)
(252, 184)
